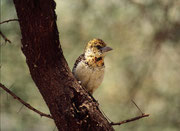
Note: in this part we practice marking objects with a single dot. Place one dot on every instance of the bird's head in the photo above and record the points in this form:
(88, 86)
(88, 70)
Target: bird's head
(96, 48)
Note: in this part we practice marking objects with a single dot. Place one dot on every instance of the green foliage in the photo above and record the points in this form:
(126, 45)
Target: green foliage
(144, 65)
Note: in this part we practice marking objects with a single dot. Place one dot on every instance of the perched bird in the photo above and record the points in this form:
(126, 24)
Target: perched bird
(89, 67)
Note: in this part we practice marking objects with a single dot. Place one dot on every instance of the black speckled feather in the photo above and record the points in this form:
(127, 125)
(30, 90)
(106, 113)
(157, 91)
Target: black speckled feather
(80, 58)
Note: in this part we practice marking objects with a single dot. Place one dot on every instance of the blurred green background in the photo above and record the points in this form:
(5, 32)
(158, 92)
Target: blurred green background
(144, 65)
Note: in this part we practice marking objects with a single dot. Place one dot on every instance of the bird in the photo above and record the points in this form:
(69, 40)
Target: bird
(89, 67)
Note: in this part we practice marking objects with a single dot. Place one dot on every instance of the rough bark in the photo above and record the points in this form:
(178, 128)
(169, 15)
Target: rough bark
(70, 106)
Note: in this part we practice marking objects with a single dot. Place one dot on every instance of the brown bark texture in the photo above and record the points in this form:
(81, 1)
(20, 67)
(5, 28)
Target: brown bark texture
(70, 106)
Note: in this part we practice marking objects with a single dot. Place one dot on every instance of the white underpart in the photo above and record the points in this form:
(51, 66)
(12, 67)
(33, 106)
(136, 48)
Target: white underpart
(91, 78)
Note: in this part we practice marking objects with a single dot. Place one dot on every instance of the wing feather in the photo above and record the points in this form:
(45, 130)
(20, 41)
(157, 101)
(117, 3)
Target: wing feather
(80, 58)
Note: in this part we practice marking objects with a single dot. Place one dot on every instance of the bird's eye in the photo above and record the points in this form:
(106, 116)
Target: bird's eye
(98, 46)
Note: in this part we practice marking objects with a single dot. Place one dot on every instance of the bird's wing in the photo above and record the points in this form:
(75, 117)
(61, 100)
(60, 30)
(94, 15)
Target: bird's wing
(80, 58)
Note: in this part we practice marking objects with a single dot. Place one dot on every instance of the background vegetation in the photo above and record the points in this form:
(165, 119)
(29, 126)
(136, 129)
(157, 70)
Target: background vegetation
(144, 65)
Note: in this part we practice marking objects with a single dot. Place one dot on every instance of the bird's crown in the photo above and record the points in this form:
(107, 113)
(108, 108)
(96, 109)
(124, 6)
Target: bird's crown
(95, 44)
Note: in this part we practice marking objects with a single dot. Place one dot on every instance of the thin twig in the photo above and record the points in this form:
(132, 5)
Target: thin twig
(129, 120)
(137, 107)
(20, 109)
(9, 89)
(6, 21)
(4, 37)
(24, 103)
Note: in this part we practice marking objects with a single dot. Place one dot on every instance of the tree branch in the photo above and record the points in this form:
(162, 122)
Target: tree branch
(24, 103)
(6, 21)
(4, 37)
(129, 120)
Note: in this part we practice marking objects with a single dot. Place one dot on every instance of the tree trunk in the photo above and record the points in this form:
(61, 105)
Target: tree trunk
(70, 106)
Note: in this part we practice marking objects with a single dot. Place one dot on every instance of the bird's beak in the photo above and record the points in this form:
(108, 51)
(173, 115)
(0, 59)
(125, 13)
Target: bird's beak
(106, 49)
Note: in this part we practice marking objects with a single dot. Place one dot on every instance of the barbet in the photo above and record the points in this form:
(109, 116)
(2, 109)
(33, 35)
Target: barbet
(89, 67)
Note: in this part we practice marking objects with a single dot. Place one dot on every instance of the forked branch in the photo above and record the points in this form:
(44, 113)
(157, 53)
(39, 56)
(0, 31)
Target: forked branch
(3, 36)
(131, 119)
(24, 103)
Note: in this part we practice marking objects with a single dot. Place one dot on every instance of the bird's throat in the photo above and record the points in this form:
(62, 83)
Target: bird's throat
(99, 61)
(95, 61)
